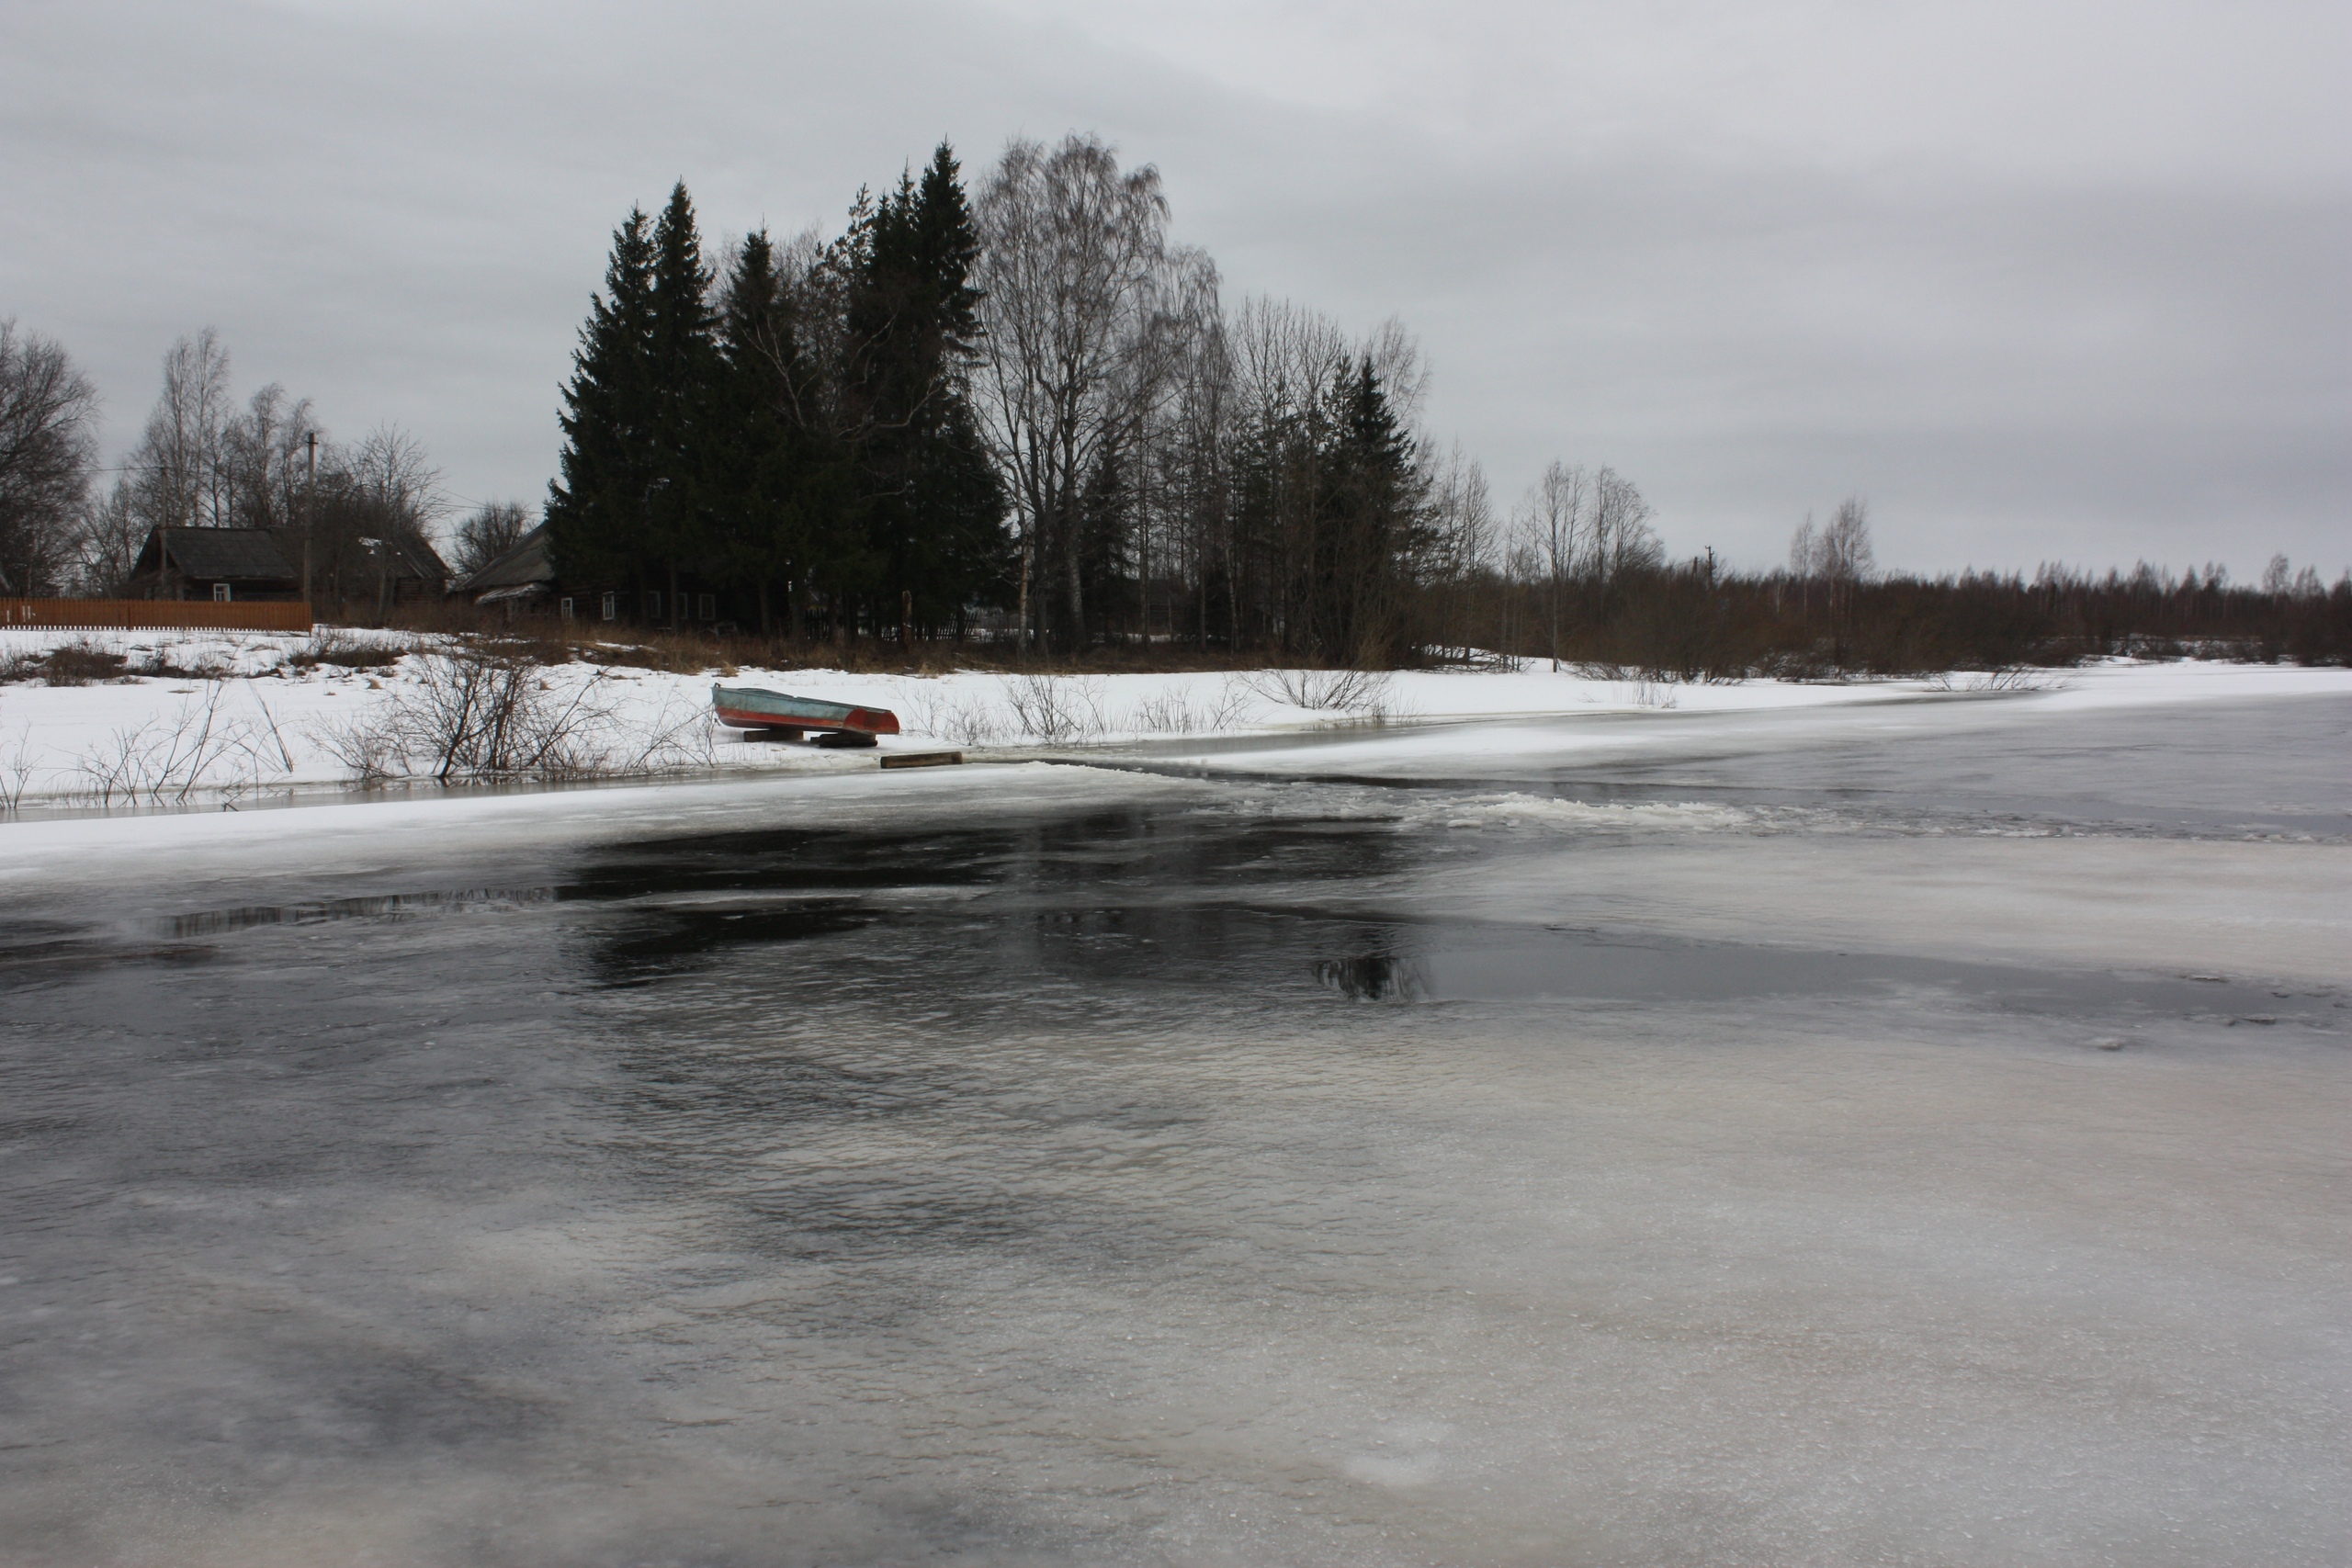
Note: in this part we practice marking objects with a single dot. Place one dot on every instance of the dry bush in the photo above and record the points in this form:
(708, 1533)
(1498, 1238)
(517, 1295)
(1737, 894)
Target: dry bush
(1057, 709)
(1331, 691)
(672, 653)
(2009, 678)
(366, 747)
(79, 662)
(15, 770)
(164, 762)
(487, 713)
(1174, 713)
(334, 646)
(165, 663)
(966, 718)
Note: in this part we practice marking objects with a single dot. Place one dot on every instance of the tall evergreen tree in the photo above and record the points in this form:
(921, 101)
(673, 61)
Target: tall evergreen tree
(803, 429)
(610, 454)
(683, 364)
(771, 465)
(1373, 520)
(935, 508)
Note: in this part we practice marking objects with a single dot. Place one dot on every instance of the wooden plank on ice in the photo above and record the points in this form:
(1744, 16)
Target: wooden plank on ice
(922, 759)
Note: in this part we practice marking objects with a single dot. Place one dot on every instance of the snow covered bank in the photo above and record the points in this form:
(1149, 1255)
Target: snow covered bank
(236, 715)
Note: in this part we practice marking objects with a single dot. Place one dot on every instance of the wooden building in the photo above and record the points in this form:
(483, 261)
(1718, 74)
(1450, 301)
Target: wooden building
(520, 577)
(221, 564)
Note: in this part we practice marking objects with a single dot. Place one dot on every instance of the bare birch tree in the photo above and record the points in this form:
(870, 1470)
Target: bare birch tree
(1620, 539)
(1080, 281)
(1843, 553)
(1555, 517)
(177, 470)
(107, 541)
(263, 455)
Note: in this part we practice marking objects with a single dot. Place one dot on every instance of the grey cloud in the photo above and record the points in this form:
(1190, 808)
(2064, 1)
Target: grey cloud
(2126, 343)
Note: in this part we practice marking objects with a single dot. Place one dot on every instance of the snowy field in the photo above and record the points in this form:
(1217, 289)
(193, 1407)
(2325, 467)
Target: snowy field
(250, 721)
(1862, 1124)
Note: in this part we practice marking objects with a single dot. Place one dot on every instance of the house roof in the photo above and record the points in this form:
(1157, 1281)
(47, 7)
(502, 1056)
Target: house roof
(414, 558)
(522, 564)
(237, 554)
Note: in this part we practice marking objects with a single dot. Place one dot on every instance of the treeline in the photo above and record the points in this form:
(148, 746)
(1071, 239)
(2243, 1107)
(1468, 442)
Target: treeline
(1026, 407)
(792, 424)
(204, 459)
(1023, 412)
(1029, 410)
(1824, 616)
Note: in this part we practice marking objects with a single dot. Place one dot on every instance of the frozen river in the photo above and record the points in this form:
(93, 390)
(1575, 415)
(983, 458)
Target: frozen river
(1905, 1134)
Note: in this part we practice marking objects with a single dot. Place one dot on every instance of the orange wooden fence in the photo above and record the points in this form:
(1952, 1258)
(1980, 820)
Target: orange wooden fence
(142, 615)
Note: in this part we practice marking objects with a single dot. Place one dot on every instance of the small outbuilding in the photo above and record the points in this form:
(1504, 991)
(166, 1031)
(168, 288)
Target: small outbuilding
(223, 565)
(521, 576)
(407, 570)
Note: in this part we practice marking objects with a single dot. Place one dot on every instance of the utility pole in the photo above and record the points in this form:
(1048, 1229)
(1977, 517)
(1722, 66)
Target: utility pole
(310, 513)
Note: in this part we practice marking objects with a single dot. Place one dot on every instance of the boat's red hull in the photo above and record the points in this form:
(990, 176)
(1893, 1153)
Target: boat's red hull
(857, 721)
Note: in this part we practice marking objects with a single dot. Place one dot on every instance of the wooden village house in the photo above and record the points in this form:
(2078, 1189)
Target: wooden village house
(221, 564)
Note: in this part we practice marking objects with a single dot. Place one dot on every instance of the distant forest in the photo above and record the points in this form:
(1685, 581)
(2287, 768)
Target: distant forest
(1022, 414)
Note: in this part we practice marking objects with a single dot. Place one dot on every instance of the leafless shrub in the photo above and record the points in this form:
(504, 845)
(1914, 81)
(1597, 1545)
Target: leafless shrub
(1056, 709)
(1331, 691)
(366, 747)
(1169, 712)
(17, 770)
(490, 714)
(165, 762)
(681, 737)
(1652, 693)
(487, 714)
(964, 717)
(277, 735)
(20, 664)
(2007, 678)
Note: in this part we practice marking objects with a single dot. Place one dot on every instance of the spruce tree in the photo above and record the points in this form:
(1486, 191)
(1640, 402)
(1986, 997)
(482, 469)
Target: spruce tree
(683, 364)
(609, 454)
(1375, 521)
(935, 509)
(767, 477)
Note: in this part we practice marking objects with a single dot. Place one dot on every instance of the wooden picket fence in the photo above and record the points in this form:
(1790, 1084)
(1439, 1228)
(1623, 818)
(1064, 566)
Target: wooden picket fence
(144, 614)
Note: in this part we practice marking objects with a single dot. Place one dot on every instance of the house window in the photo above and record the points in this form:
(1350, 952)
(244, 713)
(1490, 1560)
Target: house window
(653, 604)
(706, 607)
(219, 594)
(612, 607)
(566, 609)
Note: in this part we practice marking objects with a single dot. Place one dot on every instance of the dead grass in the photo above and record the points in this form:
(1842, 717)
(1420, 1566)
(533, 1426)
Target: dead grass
(334, 646)
(694, 651)
(80, 664)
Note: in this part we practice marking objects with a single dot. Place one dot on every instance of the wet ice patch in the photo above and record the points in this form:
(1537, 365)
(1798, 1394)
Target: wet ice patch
(1403, 1455)
(1518, 809)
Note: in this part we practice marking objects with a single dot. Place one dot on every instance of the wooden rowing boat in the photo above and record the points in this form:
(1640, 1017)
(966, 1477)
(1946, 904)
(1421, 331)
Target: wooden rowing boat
(778, 713)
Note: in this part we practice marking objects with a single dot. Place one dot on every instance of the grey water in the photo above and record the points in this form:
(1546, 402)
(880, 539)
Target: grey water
(1072, 1166)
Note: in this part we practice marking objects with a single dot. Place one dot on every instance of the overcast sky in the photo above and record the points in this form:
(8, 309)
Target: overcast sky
(2040, 280)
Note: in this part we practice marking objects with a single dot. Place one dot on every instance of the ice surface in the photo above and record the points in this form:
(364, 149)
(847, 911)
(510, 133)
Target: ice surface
(1708, 1151)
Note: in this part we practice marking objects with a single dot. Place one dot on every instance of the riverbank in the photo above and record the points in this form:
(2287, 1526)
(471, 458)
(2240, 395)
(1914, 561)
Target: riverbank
(143, 720)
